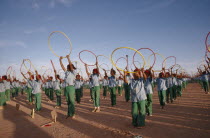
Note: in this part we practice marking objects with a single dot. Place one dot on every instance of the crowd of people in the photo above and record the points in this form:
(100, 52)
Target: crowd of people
(138, 88)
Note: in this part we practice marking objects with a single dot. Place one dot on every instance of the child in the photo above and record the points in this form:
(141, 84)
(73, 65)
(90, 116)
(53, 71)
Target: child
(149, 91)
(57, 90)
(70, 75)
(112, 86)
(94, 77)
(78, 84)
(138, 97)
(105, 84)
(120, 85)
(161, 85)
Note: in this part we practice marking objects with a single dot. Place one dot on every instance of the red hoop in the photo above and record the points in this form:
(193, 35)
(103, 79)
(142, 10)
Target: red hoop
(89, 52)
(168, 58)
(206, 42)
(10, 67)
(148, 49)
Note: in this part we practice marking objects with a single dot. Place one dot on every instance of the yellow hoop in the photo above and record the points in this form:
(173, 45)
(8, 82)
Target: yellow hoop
(127, 48)
(25, 65)
(148, 61)
(50, 47)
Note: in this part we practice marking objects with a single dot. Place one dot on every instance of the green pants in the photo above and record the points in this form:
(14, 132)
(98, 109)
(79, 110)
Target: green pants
(127, 92)
(78, 95)
(51, 94)
(201, 83)
(113, 95)
(138, 113)
(91, 93)
(7, 93)
(38, 101)
(169, 93)
(19, 90)
(162, 97)
(12, 92)
(120, 88)
(96, 96)
(30, 96)
(179, 91)
(58, 97)
(70, 96)
(81, 92)
(46, 92)
(206, 86)
(149, 104)
(174, 89)
(105, 88)
(2, 99)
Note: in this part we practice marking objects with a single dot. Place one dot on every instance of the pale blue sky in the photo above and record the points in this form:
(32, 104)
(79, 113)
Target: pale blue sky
(170, 27)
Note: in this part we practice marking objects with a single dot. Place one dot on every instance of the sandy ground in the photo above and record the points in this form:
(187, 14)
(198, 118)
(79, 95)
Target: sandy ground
(187, 117)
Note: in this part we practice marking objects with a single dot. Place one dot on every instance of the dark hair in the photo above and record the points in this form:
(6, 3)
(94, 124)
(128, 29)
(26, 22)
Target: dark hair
(4, 77)
(96, 71)
(148, 72)
(68, 66)
(58, 76)
(112, 70)
(77, 75)
(161, 74)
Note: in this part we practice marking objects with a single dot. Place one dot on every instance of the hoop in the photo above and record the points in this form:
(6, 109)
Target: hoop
(50, 47)
(104, 64)
(127, 48)
(139, 63)
(148, 49)
(89, 52)
(164, 61)
(47, 71)
(176, 65)
(122, 58)
(206, 42)
(9, 70)
(156, 58)
(80, 71)
(24, 60)
(30, 64)
(14, 73)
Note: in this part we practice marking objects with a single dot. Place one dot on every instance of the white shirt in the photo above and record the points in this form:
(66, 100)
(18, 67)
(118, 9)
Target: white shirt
(70, 78)
(137, 90)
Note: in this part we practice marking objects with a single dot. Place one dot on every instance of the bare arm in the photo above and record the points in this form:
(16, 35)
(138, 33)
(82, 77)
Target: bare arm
(23, 75)
(86, 68)
(125, 78)
(143, 74)
(70, 63)
(61, 63)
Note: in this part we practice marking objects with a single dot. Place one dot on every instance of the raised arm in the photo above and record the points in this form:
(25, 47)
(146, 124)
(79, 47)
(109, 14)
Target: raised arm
(86, 69)
(143, 74)
(105, 72)
(119, 72)
(70, 63)
(38, 76)
(124, 77)
(55, 74)
(23, 75)
(61, 63)
(97, 67)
